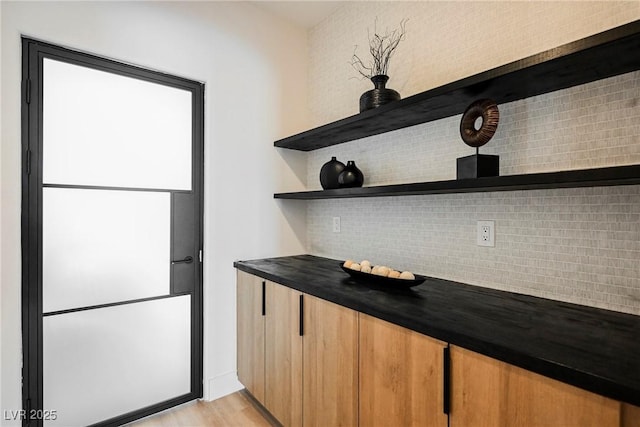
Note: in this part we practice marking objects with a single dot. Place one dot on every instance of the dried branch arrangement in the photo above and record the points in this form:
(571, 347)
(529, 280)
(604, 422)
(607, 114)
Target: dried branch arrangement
(381, 48)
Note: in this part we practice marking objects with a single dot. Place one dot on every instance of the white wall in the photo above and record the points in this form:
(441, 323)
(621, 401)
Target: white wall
(254, 68)
(577, 245)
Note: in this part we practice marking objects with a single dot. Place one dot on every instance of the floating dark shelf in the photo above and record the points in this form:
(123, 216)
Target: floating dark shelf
(607, 54)
(601, 177)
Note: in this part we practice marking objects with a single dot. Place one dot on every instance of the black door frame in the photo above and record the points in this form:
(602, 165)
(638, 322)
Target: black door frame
(33, 52)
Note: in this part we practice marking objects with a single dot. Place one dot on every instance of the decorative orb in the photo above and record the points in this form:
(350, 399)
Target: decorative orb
(487, 110)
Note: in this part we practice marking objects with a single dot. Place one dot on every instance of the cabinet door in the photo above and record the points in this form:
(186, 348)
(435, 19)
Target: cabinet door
(283, 355)
(250, 324)
(330, 366)
(630, 416)
(401, 376)
(487, 392)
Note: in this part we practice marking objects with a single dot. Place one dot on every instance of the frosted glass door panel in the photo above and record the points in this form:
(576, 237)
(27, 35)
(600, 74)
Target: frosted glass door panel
(103, 246)
(104, 129)
(105, 362)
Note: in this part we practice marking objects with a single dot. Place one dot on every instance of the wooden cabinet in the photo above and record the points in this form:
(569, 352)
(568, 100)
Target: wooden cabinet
(330, 372)
(487, 392)
(630, 416)
(276, 327)
(270, 346)
(314, 363)
(283, 355)
(401, 376)
(250, 335)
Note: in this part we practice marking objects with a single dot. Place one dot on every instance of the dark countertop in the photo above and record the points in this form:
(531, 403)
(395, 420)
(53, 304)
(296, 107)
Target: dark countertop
(594, 349)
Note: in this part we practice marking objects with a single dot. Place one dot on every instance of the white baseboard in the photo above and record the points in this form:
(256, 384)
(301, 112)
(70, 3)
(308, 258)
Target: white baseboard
(222, 385)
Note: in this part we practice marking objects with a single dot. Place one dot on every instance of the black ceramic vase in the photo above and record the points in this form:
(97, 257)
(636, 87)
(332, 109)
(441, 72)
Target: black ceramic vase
(378, 96)
(351, 176)
(329, 174)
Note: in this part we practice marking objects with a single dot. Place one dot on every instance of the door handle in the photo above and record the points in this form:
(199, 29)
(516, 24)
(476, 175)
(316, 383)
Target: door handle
(187, 260)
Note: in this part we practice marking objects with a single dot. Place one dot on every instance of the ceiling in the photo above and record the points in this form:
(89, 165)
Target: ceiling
(304, 13)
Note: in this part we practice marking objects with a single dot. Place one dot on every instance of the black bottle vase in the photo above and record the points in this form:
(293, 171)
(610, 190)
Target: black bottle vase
(378, 96)
(351, 176)
(329, 174)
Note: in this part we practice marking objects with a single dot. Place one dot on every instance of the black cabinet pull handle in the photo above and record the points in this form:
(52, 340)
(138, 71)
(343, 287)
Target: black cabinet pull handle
(446, 380)
(187, 260)
(301, 315)
(264, 298)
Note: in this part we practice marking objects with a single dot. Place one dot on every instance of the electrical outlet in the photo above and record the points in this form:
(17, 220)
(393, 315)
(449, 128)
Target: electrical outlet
(336, 224)
(486, 233)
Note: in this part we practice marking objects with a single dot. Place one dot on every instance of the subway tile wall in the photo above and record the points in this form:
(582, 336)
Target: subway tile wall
(576, 245)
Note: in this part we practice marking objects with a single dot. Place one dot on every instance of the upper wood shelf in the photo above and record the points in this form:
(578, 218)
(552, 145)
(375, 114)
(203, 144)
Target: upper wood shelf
(607, 54)
(618, 175)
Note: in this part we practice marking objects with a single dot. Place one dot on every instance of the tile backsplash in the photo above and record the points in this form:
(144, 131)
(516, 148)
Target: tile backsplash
(578, 245)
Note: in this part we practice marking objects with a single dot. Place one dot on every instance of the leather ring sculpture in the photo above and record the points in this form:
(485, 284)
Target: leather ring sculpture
(488, 110)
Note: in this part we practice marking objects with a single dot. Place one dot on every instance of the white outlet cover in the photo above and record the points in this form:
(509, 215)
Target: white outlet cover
(486, 233)
(336, 224)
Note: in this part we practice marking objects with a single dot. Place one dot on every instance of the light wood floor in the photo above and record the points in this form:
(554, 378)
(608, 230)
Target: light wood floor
(236, 409)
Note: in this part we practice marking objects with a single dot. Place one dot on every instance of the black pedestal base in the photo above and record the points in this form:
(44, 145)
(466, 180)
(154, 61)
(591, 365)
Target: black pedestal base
(478, 165)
